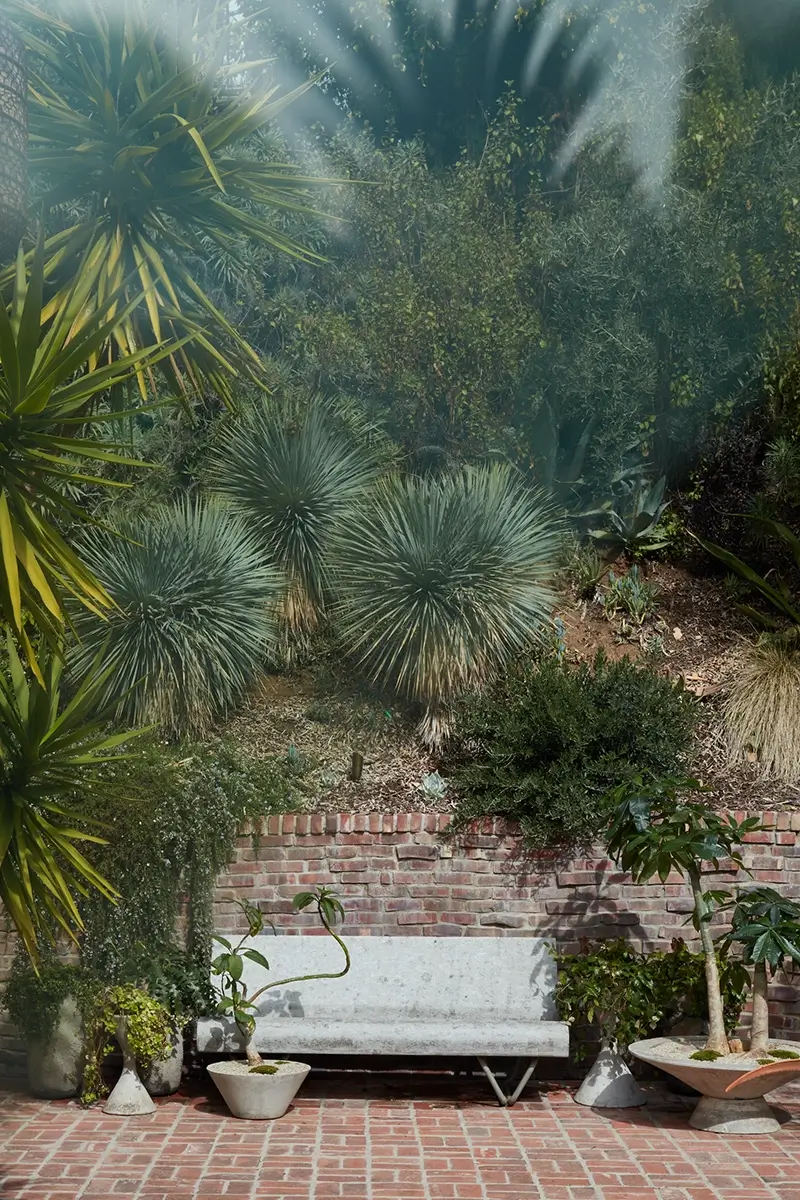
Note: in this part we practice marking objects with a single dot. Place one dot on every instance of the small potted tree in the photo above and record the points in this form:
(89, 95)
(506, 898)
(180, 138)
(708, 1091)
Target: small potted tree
(767, 927)
(259, 1089)
(653, 833)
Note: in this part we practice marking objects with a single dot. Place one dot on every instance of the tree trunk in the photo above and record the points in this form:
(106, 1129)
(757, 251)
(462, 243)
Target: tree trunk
(717, 1038)
(254, 1059)
(759, 1041)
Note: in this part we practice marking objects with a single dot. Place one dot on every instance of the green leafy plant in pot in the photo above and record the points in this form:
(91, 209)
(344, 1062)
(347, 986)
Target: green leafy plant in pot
(144, 1031)
(47, 1008)
(654, 832)
(257, 1089)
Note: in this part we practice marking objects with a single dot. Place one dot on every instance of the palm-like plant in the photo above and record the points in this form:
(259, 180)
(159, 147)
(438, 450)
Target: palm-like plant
(132, 131)
(767, 927)
(444, 581)
(49, 757)
(295, 477)
(193, 620)
(47, 408)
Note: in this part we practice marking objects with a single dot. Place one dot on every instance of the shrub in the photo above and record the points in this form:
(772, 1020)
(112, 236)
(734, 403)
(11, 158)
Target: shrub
(295, 476)
(546, 744)
(762, 707)
(445, 580)
(632, 595)
(194, 619)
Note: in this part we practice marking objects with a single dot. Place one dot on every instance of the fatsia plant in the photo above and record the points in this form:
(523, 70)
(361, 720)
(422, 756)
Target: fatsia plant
(134, 131)
(445, 580)
(193, 619)
(766, 926)
(295, 476)
(49, 411)
(50, 754)
(653, 832)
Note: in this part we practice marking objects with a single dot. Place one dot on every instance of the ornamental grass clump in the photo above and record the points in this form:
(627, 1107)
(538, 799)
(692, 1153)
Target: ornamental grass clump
(194, 618)
(761, 712)
(445, 580)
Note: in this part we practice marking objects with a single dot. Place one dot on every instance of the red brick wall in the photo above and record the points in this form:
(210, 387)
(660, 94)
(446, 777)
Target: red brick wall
(397, 876)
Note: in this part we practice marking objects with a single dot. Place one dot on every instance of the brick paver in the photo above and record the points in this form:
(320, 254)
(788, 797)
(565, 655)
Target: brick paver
(348, 1140)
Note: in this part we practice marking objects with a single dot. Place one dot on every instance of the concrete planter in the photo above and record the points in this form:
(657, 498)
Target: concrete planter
(164, 1078)
(129, 1097)
(55, 1067)
(258, 1097)
(729, 1102)
(609, 1083)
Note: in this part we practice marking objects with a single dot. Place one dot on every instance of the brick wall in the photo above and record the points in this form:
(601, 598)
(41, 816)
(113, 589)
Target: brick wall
(396, 875)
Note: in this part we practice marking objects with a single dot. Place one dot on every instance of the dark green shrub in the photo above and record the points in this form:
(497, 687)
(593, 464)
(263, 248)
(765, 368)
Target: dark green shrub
(544, 746)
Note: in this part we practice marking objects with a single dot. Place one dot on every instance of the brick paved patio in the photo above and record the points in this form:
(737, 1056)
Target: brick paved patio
(345, 1140)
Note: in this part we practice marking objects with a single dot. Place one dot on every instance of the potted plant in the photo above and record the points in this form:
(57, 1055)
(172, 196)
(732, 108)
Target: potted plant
(629, 995)
(259, 1089)
(653, 833)
(767, 928)
(145, 1032)
(47, 1009)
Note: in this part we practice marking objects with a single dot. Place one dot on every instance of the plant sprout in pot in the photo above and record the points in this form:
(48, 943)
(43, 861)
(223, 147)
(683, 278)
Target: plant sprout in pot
(260, 1089)
(655, 832)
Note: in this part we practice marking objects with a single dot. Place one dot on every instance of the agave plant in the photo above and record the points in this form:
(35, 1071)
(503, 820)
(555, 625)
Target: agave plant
(444, 581)
(49, 757)
(48, 407)
(295, 477)
(193, 620)
(133, 129)
(630, 522)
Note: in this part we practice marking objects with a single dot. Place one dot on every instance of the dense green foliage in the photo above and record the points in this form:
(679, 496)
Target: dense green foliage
(33, 1000)
(195, 615)
(148, 1027)
(544, 746)
(168, 840)
(443, 581)
(631, 995)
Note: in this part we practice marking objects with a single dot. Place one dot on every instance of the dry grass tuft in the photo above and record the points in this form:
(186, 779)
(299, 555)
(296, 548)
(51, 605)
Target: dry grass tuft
(762, 709)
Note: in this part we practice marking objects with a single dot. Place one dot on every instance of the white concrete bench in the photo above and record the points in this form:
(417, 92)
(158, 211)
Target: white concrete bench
(470, 997)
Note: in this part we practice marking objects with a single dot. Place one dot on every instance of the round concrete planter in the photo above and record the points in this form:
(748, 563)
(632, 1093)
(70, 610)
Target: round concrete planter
(164, 1078)
(55, 1067)
(258, 1097)
(609, 1083)
(723, 1107)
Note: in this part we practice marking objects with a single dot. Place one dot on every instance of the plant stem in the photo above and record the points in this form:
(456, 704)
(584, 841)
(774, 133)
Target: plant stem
(717, 1038)
(759, 1040)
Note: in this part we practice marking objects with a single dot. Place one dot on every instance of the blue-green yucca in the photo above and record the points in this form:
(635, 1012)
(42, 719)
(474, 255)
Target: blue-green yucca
(445, 580)
(295, 477)
(195, 617)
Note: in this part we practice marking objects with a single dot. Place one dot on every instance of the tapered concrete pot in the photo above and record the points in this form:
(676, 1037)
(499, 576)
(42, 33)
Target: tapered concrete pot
(610, 1083)
(55, 1066)
(130, 1097)
(163, 1078)
(732, 1089)
(254, 1097)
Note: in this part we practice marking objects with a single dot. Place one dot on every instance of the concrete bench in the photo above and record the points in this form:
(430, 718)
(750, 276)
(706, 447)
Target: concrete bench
(471, 997)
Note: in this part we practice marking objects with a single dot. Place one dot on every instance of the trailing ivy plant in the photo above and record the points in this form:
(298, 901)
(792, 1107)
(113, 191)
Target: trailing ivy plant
(169, 839)
(150, 1031)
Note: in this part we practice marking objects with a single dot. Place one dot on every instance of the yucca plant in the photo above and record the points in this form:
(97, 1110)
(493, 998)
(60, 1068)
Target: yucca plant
(194, 616)
(444, 581)
(48, 411)
(49, 757)
(285, 465)
(134, 128)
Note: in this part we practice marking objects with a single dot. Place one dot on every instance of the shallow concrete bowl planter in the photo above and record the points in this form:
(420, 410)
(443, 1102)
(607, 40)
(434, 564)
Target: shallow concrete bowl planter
(724, 1107)
(258, 1097)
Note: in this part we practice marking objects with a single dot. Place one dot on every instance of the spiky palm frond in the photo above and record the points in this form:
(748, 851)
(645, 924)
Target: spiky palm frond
(133, 128)
(194, 619)
(48, 426)
(446, 580)
(295, 477)
(49, 754)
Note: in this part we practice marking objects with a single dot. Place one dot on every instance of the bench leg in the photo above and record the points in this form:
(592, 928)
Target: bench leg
(508, 1099)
